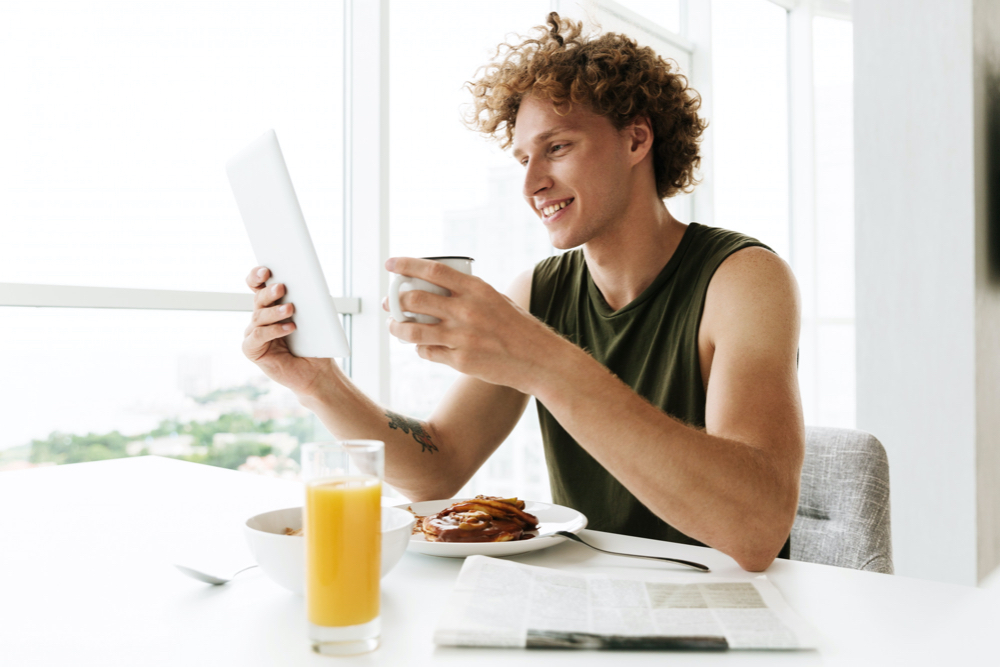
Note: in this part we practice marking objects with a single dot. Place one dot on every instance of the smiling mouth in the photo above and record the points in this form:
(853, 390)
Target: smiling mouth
(549, 211)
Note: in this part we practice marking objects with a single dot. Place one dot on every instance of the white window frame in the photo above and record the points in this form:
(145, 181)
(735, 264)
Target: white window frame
(366, 189)
(369, 243)
(73, 296)
(696, 63)
(366, 181)
(366, 168)
(803, 245)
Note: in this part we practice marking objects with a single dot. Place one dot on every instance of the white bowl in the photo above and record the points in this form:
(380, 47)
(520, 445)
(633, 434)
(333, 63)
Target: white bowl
(283, 557)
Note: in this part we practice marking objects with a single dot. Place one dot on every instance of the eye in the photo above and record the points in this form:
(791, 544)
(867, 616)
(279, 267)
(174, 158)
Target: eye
(558, 147)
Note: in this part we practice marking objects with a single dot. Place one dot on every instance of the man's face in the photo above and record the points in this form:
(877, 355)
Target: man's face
(576, 170)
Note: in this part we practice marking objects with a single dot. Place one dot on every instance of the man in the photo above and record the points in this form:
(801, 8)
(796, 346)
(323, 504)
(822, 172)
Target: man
(662, 355)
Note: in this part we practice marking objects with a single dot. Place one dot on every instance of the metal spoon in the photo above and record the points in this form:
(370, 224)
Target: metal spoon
(576, 538)
(210, 578)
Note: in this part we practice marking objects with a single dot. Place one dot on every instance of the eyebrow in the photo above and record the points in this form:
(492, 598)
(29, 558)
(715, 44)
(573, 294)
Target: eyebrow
(543, 137)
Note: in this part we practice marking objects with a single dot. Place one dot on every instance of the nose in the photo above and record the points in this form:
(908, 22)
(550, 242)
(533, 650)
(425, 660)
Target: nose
(536, 178)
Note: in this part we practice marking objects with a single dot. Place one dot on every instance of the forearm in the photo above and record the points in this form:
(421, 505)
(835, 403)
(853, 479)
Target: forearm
(417, 462)
(729, 494)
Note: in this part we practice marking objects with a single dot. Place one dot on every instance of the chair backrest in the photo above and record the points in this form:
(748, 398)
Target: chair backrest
(843, 515)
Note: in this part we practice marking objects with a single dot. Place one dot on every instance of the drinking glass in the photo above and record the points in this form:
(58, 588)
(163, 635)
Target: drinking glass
(343, 533)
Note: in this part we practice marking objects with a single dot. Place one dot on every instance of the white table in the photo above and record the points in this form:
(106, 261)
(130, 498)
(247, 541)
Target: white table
(86, 579)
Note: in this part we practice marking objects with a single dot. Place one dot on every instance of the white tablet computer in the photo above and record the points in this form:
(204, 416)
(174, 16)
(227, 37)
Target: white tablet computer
(281, 242)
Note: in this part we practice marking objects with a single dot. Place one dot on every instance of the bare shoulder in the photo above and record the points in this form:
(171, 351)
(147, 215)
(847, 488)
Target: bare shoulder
(753, 289)
(519, 290)
(757, 267)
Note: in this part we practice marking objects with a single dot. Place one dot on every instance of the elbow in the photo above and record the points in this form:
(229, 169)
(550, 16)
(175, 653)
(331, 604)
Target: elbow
(437, 475)
(754, 562)
(438, 489)
(439, 492)
(438, 483)
(757, 555)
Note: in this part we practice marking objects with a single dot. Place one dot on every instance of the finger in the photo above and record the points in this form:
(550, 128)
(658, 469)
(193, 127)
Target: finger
(425, 303)
(257, 277)
(264, 316)
(267, 297)
(437, 273)
(433, 352)
(413, 332)
(261, 335)
(385, 304)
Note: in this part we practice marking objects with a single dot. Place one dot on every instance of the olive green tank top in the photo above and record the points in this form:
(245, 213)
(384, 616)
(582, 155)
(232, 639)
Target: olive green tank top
(651, 344)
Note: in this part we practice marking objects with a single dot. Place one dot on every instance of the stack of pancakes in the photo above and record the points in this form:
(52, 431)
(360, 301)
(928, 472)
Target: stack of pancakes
(484, 519)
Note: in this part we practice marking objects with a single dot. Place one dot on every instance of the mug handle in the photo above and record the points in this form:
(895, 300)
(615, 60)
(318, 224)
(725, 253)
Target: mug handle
(397, 312)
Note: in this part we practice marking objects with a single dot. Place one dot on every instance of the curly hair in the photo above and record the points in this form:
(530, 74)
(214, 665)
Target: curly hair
(609, 74)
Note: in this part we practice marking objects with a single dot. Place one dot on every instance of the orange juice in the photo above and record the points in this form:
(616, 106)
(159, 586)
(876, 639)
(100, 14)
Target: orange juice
(343, 531)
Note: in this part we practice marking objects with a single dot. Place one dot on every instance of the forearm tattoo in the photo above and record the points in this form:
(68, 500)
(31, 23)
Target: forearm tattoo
(406, 425)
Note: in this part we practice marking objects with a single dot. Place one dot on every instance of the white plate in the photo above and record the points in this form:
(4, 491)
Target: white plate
(550, 519)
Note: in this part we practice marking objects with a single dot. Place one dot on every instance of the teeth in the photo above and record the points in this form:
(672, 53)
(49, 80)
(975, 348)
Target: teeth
(549, 210)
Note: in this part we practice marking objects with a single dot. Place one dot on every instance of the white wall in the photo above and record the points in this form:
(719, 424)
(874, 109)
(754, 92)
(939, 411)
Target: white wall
(921, 293)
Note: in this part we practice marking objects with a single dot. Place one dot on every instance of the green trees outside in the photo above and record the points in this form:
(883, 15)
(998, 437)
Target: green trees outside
(230, 456)
(63, 448)
(66, 448)
(248, 390)
(229, 452)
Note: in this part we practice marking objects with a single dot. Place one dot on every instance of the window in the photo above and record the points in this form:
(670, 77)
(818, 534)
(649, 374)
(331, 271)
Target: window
(114, 184)
(783, 169)
(454, 192)
(125, 115)
(89, 384)
(750, 84)
(664, 13)
(834, 402)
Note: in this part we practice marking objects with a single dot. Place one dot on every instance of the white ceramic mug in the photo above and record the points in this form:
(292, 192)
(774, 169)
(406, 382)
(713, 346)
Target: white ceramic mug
(406, 283)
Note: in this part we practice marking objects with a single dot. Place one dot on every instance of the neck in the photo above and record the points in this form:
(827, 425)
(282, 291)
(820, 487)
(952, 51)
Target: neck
(626, 260)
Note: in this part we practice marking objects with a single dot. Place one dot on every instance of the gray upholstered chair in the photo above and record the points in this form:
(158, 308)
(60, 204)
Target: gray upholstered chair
(843, 516)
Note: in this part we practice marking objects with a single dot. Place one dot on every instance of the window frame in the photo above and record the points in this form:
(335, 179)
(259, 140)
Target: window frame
(366, 168)
(74, 296)
(366, 181)
(803, 230)
(81, 296)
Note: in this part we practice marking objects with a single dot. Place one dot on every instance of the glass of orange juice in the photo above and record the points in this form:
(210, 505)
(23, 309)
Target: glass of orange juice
(343, 534)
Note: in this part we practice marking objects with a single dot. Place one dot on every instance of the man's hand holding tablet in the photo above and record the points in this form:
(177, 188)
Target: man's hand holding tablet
(423, 459)
(293, 353)
(265, 338)
(280, 239)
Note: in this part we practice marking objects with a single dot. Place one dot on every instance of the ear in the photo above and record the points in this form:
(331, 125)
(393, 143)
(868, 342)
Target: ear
(640, 135)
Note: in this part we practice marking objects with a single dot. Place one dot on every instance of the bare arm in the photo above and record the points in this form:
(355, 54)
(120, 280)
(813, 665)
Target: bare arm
(734, 485)
(424, 460)
(432, 459)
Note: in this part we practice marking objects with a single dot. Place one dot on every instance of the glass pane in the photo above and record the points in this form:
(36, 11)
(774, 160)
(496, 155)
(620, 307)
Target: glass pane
(665, 13)
(833, 78)
(750, 79)
(125, 115)
(93, 384)
(643, 30)
(455, 193)
(837, 397)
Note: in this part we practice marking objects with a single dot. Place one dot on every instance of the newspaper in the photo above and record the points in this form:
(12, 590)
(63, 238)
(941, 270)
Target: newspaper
(499, 603)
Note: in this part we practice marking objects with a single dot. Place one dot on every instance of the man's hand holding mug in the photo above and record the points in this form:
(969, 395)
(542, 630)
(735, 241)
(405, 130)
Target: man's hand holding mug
(403, 283)
(461, 321)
